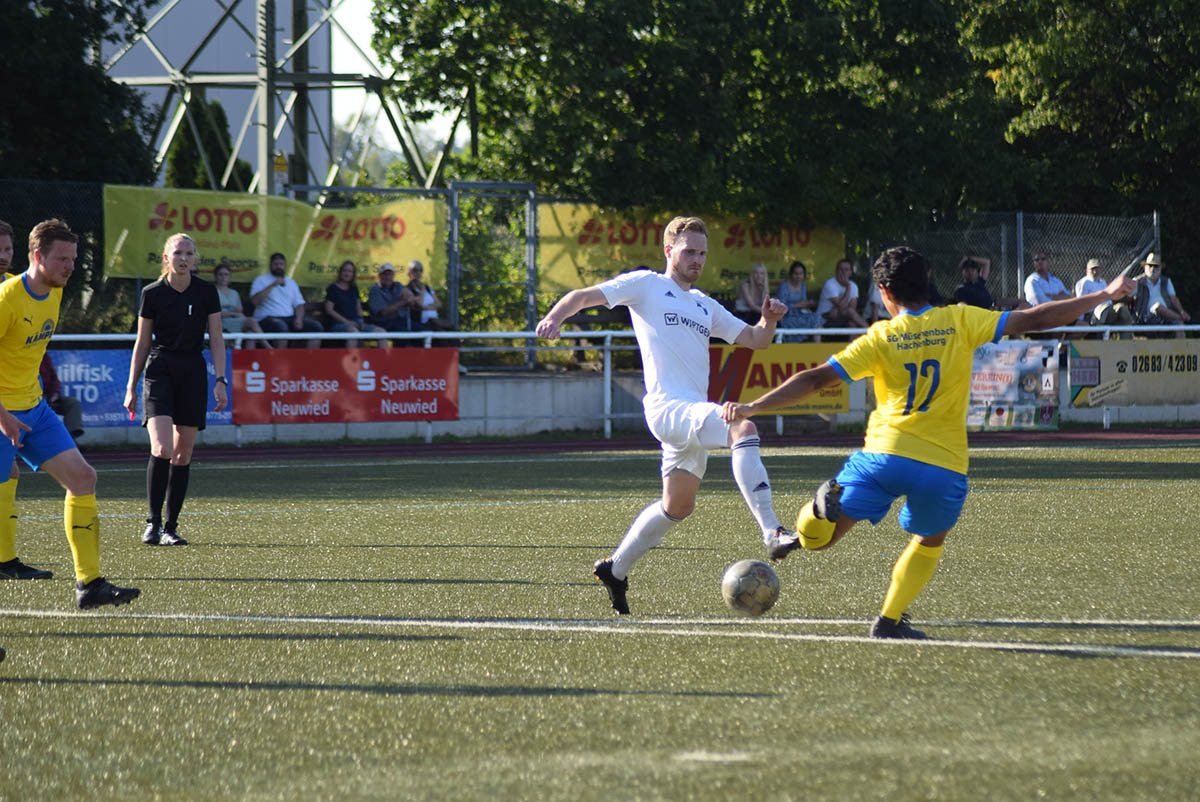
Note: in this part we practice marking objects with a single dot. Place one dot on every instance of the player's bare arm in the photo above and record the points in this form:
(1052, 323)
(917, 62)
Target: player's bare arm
(797, 386)
(137, 362)
(760, 335)
(550, 327)
(1061, 313)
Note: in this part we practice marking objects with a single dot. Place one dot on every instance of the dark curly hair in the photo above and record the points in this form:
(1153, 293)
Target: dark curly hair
(905, 275)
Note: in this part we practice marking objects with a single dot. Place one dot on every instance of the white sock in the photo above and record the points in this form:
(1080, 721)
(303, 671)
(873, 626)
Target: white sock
(751, 477)
(646, 532)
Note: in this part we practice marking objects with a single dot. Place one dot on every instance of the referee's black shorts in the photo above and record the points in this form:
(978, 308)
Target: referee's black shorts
(176, 386)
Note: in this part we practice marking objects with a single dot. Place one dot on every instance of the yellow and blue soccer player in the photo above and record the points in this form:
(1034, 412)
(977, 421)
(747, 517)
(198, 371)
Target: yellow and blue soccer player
(29, 305)
(916, 441)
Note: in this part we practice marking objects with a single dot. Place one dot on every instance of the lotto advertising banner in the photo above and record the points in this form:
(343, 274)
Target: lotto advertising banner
(1131, 372)
(1014, 385)
(579, 245)
(743, 375)
(245, 229)
(98, 379)
(343, 385)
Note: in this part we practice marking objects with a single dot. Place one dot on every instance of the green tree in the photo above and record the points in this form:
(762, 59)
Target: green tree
(1103, 101)
(186, 170)
(857, 114)
(64, 119)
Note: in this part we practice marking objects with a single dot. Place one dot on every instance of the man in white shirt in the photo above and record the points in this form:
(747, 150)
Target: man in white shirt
(838, 305)
(1107, 313)
(673, 323)
(1041, 287)
(279, 304)
(1156, 302)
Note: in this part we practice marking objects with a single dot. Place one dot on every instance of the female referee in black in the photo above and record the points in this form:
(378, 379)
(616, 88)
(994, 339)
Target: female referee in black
(174, 313)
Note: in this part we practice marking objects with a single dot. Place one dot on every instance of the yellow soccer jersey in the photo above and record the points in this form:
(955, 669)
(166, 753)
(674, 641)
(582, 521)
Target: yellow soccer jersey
(26, 325)
(922, 368)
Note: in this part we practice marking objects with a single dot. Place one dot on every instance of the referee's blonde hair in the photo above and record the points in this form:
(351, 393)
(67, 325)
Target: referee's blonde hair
(168, 247)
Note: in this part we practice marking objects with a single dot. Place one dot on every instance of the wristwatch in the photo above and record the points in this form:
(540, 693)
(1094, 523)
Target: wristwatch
(223, 380)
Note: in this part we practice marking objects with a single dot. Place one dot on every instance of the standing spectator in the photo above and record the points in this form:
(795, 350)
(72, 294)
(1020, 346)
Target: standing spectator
(66, 405)
(26, 420)
(343, 306)
(233, 319)
(801, 310)
(838, 305)
(425, 302)
(752, 294)
(1156, 302)
(1108, 313)
(1041, 287)
(173, 315)
(390, 302)
(279, 304)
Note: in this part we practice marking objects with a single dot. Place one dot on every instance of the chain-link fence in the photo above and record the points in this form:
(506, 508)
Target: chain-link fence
(1011, 240)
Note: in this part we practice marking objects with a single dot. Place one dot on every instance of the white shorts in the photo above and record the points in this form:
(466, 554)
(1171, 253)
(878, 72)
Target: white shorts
(687, 431)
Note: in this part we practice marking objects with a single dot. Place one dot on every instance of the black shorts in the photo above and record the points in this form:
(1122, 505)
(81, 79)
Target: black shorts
(176, 386)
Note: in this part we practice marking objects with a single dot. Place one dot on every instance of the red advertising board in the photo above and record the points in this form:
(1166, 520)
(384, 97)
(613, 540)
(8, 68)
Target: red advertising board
(337, 385)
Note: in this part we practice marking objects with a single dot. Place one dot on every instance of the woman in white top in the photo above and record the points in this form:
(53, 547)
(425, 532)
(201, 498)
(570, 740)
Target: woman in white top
(232, 317)
(427, 304)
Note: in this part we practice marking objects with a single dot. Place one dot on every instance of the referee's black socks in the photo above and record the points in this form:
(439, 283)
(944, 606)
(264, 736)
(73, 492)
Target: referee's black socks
(158, 471)
(177, 485)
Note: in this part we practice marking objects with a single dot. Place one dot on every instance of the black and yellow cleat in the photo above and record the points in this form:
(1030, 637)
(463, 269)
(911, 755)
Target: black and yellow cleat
(885, 627)
(100, 591)
(15, 569)
(827, 503)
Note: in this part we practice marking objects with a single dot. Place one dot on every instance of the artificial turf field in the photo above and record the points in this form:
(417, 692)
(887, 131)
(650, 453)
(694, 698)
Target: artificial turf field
(378, 628)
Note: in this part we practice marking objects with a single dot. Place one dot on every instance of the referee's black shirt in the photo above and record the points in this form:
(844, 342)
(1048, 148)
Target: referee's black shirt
(180, 318)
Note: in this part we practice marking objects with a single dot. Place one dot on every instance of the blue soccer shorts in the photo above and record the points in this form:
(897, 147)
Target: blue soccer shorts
(933, 496)
(46, 438)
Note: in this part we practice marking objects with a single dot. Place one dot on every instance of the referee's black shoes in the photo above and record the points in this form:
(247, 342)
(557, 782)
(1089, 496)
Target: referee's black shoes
(170, 537)
(152, 534)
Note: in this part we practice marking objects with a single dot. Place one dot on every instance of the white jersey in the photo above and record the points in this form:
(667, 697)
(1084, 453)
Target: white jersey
(673, 327)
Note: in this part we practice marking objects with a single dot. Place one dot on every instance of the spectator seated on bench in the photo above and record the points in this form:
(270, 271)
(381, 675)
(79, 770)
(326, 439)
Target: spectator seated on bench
(598, 317)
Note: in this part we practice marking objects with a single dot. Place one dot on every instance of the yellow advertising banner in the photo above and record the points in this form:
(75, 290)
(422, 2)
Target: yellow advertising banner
(579, 245)
(1119, 373)
(244, 230)
(743, 374)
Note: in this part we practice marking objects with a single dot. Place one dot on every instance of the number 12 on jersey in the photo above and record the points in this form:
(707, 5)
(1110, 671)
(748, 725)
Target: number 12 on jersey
(930, 367)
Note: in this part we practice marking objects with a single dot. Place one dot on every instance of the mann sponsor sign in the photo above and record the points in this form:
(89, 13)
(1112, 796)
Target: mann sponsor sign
(1122, 373)
(743, 375)
(351, 385)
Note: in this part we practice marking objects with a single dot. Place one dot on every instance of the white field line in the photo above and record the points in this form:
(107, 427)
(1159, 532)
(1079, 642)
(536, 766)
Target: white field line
(693, 628)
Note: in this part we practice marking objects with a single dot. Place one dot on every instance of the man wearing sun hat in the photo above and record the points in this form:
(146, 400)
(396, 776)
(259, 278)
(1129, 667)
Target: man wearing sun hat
(1156, 302)
(1108, 313)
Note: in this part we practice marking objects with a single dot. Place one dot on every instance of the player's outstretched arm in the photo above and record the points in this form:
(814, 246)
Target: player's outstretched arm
(797, 386)
(760, 334)
(1060, 313)
(550, 326)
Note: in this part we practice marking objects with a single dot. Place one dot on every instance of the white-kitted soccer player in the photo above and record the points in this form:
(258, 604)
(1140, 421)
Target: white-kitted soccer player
(673, 323)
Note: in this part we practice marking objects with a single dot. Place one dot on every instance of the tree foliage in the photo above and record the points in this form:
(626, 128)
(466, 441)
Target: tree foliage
(186, 170)
(70, 121)
(798, 112)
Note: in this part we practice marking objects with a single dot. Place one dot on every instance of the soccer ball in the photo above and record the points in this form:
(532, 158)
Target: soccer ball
(750, 587)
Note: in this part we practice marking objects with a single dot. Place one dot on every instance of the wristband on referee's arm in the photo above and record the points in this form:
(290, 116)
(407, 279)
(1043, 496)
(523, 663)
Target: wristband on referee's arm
(223, 380)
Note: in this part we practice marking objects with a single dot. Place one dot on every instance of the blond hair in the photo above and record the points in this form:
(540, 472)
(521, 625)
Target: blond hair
(676, 228)
(168, 247)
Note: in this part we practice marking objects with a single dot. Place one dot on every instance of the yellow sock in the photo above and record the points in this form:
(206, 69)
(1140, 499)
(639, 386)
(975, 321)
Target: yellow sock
(8, 520)
(912, 571)
(813, 532)
(82, 523)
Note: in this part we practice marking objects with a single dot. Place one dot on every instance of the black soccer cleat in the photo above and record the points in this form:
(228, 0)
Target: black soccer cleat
(152, 534)
(15, 569)
(170, 537)
(1, 654)
(602, 570)
(100, 591)
(781, 543)
(827, 503)
(885, 627)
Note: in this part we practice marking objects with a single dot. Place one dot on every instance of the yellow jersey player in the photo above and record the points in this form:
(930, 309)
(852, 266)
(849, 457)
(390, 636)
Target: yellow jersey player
(916, 442)
(29, 305)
